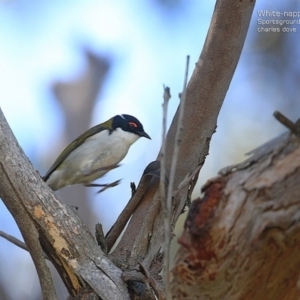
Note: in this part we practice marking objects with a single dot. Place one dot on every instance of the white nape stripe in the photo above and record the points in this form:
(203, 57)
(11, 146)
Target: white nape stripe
(122, 116)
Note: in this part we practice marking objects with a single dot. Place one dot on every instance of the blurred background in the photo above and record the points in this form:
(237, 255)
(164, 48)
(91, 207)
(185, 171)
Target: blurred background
(68, 65)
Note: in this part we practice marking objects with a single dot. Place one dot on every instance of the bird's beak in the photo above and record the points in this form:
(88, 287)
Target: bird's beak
(144, 134)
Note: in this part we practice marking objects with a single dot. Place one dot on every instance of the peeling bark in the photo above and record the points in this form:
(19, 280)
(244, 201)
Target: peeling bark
(241, 239)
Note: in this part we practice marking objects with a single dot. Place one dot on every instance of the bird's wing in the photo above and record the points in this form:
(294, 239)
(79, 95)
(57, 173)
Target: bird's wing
(75, 144)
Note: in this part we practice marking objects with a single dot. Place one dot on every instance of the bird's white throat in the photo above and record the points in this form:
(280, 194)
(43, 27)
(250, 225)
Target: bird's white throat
(127, 137)
(116, 137)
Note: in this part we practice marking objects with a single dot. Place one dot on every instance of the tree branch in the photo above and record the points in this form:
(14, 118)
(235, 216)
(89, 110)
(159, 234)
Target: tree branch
(151, 170)
(12, 198)
(169, 198)
(42, 217)
(162, 191)
(205, 93)
(293, 127)
(241, 239)
(14, 240)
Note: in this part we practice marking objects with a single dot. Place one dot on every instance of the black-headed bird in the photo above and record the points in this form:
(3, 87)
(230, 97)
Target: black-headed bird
(95, 152)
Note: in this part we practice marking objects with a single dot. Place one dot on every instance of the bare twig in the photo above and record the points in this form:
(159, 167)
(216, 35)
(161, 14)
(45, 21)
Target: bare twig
(167, 221)
(100, 237)
(162, 186)
(13, 240)
(16, 242)
(287, 123)
(186, 181)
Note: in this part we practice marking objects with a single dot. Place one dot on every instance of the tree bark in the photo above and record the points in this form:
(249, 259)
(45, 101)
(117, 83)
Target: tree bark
(64, 238)
(241, 239)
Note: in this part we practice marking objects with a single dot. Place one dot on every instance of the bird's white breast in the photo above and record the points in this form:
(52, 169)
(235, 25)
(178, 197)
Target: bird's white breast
(108, 148)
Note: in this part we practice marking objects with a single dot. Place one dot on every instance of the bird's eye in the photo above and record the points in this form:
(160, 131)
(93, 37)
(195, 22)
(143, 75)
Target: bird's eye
(132, 124)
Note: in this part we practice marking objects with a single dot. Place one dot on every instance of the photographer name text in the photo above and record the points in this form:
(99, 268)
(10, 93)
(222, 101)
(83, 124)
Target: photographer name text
(277, 21)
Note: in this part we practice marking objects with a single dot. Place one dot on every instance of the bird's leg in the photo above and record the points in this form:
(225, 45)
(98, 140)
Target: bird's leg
(104, 186)
(107, 168)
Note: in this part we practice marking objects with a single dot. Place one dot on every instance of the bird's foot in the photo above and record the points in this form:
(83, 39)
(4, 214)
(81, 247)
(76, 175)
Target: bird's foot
(104, 186)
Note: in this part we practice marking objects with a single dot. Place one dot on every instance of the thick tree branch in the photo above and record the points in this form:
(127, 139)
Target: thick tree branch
(206, 90)
(152, 170)
(41, 216)
(241, 239)
(12, 197)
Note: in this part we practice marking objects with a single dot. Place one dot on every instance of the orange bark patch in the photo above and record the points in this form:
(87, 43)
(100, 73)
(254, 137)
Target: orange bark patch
(38, 212)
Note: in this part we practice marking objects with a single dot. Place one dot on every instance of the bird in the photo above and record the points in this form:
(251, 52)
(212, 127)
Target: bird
(95, 152)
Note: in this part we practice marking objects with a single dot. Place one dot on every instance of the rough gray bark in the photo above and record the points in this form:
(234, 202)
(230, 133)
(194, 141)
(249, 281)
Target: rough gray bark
(241, 239)
(63, 236)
